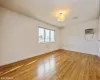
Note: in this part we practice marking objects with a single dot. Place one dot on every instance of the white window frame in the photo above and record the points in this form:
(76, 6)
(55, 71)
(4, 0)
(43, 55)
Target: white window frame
(45, 34)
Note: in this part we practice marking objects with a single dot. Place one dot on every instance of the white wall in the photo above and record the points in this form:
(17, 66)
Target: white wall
(19, 37)
(99, 37)
(73, 38)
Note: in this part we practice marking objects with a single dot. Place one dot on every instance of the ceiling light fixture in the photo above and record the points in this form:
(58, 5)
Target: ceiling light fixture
(61, 15)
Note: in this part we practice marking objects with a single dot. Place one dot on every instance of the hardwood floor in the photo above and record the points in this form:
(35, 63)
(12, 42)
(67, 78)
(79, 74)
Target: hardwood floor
(57, 65)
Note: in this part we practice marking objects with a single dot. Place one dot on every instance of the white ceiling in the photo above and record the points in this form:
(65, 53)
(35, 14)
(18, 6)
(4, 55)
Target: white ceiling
(42, 9)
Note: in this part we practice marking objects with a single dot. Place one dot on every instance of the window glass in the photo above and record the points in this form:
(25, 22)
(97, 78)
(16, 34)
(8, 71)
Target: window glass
(52, 36)
(47, 35)
(41, 35)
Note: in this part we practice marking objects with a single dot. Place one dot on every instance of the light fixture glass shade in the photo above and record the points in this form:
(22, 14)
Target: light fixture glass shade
(61, 14)
(60, 17)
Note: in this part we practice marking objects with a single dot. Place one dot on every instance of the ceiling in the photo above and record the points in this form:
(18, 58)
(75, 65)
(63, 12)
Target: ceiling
(43, 10)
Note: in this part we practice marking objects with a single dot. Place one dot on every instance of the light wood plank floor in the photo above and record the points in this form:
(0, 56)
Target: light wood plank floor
(57, 65)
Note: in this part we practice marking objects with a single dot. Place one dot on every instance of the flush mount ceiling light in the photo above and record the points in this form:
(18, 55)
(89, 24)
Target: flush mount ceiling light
(61, 14)
(60, 17)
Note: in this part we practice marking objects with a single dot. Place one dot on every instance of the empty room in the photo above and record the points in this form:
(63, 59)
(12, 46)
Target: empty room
(49, 39)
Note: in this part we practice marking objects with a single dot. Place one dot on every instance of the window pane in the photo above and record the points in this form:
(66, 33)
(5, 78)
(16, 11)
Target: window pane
(47, 35)
(41, 35)
(52, 36)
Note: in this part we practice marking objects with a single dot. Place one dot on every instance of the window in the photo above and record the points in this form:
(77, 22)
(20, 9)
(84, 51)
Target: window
(46, 35)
